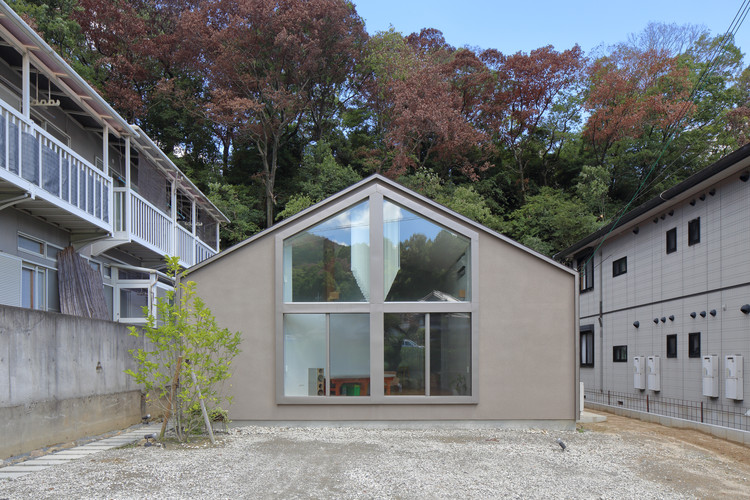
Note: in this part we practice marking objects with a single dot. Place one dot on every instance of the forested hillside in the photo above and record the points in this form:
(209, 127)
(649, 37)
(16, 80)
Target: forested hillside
(270, 106)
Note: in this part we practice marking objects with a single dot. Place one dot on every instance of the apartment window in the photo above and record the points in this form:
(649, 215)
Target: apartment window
(694, 231)
(672, 346)
(30, 245)
(672, 240)
(587, 345)
(39, 289)
(586, 272)
(694, 345)
(619, 353)
(620, 266)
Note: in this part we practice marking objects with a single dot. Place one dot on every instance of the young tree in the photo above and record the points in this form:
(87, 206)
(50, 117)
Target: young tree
(187, 356)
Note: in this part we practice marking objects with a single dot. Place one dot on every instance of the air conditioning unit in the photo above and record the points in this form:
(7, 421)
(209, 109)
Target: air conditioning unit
(733, 380)
(316, 382)
(711, 376)
(653, 373)
(639, 372)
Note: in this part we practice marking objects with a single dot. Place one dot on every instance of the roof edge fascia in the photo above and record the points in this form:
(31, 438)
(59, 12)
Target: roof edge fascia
(361, 186)
(10, 14)
(143, 140)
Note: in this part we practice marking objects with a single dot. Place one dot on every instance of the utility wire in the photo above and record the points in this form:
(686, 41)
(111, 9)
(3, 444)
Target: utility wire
(739, 19)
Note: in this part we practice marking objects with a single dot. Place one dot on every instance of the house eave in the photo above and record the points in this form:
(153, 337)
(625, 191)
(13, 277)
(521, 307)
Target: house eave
(379, 179)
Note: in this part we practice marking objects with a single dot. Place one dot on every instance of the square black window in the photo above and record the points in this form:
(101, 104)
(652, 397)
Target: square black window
(619, 353)
(672, 346)
(620, 266)
(587, 345)
(672, 240)
(694, 345)
(694, 231)
(586, 273)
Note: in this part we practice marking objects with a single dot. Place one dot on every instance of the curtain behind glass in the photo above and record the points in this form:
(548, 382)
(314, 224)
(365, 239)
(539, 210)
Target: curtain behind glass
(330, 262)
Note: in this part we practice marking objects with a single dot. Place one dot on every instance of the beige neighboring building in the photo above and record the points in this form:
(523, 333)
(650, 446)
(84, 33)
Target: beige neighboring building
(378, 304)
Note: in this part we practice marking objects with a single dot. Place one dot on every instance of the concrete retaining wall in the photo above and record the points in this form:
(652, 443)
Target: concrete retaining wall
(734, 435)
(62, 378)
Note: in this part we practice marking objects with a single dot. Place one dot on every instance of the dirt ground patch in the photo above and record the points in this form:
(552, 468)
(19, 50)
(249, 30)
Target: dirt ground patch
(688, 460)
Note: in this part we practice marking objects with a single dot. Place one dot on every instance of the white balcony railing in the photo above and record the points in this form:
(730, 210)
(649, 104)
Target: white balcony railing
(184, 245)
(39, 163)
(154, 229)
(150, 224)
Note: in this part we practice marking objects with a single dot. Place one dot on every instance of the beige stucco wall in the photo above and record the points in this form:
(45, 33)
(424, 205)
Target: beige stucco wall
(526, 340)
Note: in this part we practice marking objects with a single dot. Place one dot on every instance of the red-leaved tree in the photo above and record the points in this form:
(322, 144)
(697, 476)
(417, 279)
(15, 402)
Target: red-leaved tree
(264, 63)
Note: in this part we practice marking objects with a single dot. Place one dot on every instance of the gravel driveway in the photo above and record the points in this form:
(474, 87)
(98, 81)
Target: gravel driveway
(348, 462)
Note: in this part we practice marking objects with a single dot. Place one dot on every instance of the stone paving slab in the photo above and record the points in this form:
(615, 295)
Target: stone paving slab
(24, 468)
(46, 461)
(75, 451)
(12, 475)
(78, 452)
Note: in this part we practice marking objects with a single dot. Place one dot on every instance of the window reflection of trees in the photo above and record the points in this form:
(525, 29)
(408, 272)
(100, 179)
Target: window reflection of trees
(322, 271)
(427, 266)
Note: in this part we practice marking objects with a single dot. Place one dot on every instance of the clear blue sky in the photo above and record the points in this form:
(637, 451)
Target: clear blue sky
(526, 25)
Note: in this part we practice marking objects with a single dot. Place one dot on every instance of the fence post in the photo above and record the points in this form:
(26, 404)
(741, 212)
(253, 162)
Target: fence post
(701, 411)
(609, 403)
(647, 409)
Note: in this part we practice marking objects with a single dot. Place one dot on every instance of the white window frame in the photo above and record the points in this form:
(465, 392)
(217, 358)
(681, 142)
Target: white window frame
(377, 307)
(35, 269)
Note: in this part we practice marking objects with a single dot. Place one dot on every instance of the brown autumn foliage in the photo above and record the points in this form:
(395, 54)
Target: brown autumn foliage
(266, 61)
(526, 87)
(633, 90)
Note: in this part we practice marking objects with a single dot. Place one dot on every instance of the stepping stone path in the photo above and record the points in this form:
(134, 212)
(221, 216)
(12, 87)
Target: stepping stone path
(60, 457)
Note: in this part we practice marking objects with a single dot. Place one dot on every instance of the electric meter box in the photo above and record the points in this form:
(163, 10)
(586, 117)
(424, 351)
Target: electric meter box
(711, 376)
(639, 372)
(653, 373)
(733, 379)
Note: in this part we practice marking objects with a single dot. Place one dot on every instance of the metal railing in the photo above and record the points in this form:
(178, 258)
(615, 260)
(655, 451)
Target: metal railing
(155, 229)
(733, 417)
(31, 158)
(150, 224)
(184, 247)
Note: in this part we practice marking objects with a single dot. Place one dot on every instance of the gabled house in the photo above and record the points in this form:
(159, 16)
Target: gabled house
(74, 173)
(379, 304)
(664, 296)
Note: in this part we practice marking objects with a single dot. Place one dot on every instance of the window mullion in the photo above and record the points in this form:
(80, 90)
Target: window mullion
(376, 298)
(427, 354)
(328, 355)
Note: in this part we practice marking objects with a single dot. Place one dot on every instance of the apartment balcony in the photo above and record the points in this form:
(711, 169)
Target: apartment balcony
(45, 178)
(152, 233)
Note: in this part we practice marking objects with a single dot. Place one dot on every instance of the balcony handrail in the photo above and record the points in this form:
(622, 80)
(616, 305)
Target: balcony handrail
(144, 200)
(53, 139)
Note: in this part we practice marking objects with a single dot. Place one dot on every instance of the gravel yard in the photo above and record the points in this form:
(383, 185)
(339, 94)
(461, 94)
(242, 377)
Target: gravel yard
(629, 460)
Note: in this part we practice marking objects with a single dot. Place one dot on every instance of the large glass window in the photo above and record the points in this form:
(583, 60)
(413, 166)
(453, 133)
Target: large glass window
(411, 339)
(330, 262)
(327, 312)
(422, 261)
(450, 354)
(305, 355)
(306, 364)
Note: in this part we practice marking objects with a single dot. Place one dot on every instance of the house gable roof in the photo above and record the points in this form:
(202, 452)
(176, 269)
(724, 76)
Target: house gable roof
(359, 191)
(727, 166)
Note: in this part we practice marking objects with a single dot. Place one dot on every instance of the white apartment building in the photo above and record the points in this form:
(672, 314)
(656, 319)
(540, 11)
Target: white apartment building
(73, 172)
(664, 293)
